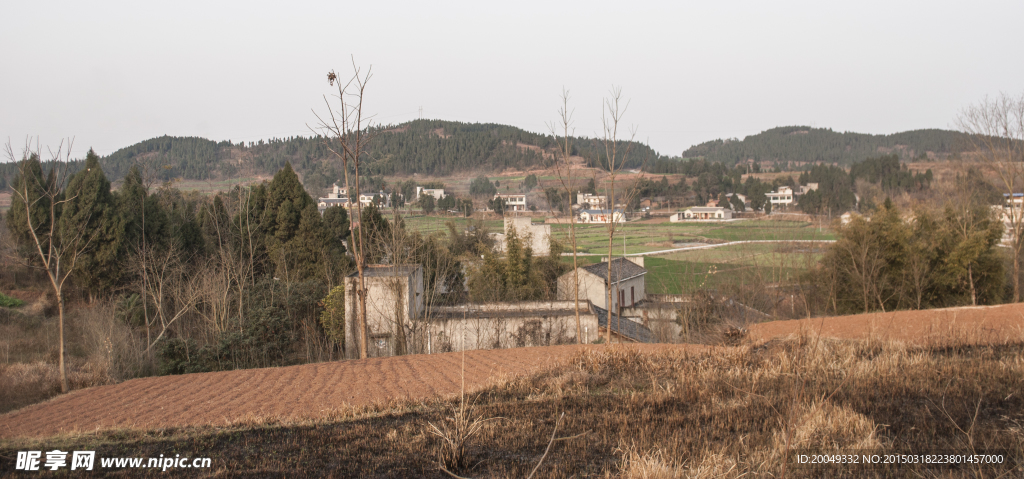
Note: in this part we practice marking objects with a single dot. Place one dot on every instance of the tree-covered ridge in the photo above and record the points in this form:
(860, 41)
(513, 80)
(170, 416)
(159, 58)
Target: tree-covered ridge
(806, 144)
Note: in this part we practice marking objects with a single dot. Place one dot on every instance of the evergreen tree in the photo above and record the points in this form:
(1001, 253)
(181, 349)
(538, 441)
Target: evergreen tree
(39, 208)
(90, 209)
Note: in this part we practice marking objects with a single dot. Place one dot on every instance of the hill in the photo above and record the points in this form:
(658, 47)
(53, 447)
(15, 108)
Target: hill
(447, 148)
(800, 144)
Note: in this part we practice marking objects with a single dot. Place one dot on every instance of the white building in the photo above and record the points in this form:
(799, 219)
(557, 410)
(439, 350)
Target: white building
(367, 199)
(513, 202)
(337, 197)
(702, 213)
(437, 193)
(783, 197)
(627, 282)
(591, 202)
(602, 216)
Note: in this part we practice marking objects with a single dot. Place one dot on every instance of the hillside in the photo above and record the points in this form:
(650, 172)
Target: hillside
(446, 148)
(801, 144)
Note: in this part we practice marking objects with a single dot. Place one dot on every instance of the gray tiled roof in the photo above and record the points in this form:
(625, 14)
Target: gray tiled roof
(621, 269)
(626, 327)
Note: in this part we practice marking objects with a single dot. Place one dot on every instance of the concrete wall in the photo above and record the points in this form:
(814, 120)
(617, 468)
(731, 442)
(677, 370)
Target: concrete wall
(539, 235)
(392, 304)
(506, 325)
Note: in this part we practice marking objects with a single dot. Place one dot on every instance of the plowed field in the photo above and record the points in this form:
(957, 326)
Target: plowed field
(294, 392)
(934, 327)
(317, 390)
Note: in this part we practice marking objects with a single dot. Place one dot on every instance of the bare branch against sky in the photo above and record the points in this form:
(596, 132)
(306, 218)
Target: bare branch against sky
(118, 73)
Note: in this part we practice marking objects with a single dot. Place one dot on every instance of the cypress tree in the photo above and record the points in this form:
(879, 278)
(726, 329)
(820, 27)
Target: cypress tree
(90, 211)
(39, 208)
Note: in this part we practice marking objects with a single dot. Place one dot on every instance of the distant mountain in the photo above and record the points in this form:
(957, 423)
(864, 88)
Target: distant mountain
(806, 144)
(443, 148)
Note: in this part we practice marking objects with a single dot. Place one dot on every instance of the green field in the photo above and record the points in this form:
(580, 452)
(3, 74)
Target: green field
(688, 271)
(646, 237)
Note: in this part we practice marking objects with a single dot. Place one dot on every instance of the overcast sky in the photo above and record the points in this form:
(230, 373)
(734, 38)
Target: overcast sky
(113, 74)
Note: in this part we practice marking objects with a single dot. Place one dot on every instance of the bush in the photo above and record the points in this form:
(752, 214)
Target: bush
(9, 302)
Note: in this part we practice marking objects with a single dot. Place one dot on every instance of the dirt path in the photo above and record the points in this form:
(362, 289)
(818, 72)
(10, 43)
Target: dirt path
(293, 392)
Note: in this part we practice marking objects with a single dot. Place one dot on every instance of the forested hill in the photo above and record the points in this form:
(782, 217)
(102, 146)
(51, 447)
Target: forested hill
(442, 148)
(806, 144)
(431, 147)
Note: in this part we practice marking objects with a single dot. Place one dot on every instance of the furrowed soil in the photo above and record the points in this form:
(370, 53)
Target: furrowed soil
(292, 393)
(930, 327)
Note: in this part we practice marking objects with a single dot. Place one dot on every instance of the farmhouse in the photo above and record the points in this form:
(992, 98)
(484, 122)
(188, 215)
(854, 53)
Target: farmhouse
(367, 199)
(591, 202)
(602, 216)
(702, 213)
(783, 197)
(437, 193)
(514, 202)
(627, 281)
(337, 197)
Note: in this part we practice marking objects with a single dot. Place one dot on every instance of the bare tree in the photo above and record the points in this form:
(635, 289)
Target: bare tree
(565, 170)
(347, 135)
(612, 111)
(58, 248)
(995, 127)
(173, 289)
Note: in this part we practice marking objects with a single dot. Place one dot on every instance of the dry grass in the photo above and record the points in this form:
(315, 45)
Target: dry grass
(740, 412)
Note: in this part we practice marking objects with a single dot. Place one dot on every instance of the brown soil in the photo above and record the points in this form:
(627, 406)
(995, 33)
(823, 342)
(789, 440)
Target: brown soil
(981, 324)
(321, 390)
(287, 393)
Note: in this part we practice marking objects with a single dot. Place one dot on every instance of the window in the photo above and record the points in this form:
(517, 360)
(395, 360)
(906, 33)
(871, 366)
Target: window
(632, 296)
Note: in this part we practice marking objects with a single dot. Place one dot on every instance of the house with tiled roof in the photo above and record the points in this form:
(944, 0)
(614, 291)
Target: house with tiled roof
(627, 281)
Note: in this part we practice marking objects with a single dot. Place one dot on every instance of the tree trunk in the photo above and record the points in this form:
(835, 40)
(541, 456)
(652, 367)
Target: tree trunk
(63, 370)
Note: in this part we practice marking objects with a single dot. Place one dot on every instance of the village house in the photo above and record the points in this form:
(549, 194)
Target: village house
(602, 216)
(743, 200)
(591, 202)
(702, 213)
(783, 197)
(513, 202)
(337, 197)
(367, 199)
(437, 193)
(627, 282)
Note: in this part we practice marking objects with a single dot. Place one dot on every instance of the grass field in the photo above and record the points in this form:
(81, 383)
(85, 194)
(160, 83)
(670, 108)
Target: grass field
(688, 271)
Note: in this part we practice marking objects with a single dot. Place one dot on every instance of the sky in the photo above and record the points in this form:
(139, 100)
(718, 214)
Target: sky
(111, 74)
